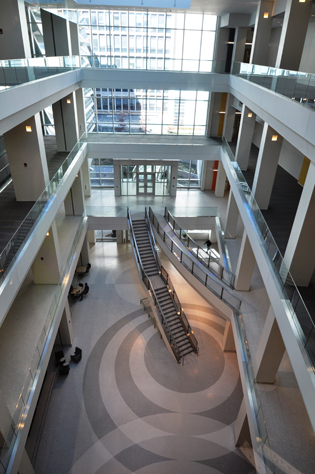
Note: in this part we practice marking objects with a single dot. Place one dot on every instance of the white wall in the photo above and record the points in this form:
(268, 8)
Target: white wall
(291, 159)
(307, 63)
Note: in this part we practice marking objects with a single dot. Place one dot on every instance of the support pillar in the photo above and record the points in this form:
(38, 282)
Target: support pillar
(74, 202)
(25, 466)
(245, 265)
(14, 42)
(270, 350)
(228, 338)
(296, 19)
(229, 119)
(262, 31)
(85, 251)
(91, 237)
(232, 215)
(5, 421)
(27, 159)
(65, 328)
(173, 183)
(239, 44)
(46, 266)
(241, 427)
(66, 125)
(79, 95)
(220, 182)
(245, 137)
(300, 255)
(86, 180)
(117, 177)
(266, 168)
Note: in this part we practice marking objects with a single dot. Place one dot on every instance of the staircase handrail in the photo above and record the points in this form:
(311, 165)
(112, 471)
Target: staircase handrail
(147, 282)
(166, 278)
(225, 295)
(223, 270)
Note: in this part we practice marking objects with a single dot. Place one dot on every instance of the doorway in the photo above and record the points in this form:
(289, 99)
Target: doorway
(146, 183)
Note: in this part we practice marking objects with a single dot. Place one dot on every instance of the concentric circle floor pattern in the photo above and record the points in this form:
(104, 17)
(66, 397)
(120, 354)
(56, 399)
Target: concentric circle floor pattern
(143, 412)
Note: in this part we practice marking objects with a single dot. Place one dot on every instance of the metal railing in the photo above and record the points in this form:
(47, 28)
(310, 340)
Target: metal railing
(9, 254)
(167, 280)
(216, 287)
(210, 261)
(29, 386)
(262, 437)
(304, 325)
(5, 175)
(147, 282)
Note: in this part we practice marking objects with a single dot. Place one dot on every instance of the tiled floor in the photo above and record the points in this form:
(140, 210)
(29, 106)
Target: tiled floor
(128, 406)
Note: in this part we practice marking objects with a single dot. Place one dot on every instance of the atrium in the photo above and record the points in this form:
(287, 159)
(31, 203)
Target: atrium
(130, 135)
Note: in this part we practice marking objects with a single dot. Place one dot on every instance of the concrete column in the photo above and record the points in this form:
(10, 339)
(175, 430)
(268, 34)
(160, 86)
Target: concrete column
(239, 44)
(85, 251)
(173, 183)
(245, 137)
(270, 350)
(120, 236)
(266, 168)
(300, 255)
(85, 170)
(117, 177)
(229, 119)
(221, 181)
(262, 31)
(25, 466)
(65, 328)
(245, 265)
(295, 23)
(228, 338)
(91, 237)
(74, 202)
(241, 427)
(14, 42)
(56, 34)
(232, 215)
(46, 267)
(5, 421)
(79, 95)
(65, 118)
(27, 159)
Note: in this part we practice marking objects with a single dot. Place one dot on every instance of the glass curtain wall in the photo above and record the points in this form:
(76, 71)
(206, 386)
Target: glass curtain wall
(146, 111)
(137, 40)
(147, 40)
(101, 172)
(189, 174)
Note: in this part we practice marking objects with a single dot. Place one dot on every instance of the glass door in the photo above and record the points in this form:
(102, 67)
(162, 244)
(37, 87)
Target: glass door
(145, 183)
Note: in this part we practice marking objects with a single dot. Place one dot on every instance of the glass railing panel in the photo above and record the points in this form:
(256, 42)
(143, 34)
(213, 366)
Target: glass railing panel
(289, 292)
(295, 85)
(17, 242)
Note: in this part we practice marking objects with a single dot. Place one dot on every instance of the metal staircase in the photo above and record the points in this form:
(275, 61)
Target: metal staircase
(141, 236)
(156, 279)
